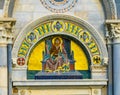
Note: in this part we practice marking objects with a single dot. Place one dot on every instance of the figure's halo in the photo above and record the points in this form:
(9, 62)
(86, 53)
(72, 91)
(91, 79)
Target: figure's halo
(53, 40)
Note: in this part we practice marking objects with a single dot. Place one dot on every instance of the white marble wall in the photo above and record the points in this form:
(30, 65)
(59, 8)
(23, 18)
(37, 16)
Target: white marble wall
(3, 70)
(3, 81)
(84, 90)
(99, 72)
(26, 11)
(3, 55)
(1, 12)
(19, 74)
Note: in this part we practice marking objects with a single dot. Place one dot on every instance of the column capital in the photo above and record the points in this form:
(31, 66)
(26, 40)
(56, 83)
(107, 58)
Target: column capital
(6, 30)
(113, 29)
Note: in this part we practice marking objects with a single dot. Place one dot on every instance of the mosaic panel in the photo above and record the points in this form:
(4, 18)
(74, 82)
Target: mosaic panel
(59, 6)
(57, 57)
(60, 27)
(50, 52)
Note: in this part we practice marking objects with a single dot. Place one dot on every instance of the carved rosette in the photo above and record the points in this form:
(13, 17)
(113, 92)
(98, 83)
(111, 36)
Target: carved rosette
(113, 29)
(6, 30)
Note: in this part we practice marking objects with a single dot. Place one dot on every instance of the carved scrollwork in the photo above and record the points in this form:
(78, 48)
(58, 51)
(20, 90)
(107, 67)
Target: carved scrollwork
(113, 30)
(6, 31)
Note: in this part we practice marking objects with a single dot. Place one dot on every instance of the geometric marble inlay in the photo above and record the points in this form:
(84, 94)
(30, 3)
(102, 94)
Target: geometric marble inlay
(58, 6)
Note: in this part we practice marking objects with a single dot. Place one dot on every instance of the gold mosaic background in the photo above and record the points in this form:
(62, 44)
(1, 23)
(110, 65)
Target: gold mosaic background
(35, 57)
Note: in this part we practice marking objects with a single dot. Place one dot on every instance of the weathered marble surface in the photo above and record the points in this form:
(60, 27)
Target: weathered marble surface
(89, 10)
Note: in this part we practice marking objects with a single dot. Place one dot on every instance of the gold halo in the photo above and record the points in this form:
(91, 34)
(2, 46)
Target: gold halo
(53, 40)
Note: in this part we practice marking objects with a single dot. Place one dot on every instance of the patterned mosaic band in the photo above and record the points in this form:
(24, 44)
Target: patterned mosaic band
(58, 6)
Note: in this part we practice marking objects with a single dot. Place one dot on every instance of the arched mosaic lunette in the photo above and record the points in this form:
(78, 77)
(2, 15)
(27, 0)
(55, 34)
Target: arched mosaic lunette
(39, 56)
(59, 27)
(53, 21)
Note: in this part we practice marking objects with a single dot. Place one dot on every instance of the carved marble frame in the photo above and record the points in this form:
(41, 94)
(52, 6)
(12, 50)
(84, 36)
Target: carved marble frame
(30, 26)
(96, 70)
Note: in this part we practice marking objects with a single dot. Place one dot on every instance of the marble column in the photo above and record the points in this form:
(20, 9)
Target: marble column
(110, 72)
(114, 33)
(6, 37)
(116, 66)
(3, 70)
(110, 65)
(9, 62)
(116, 61)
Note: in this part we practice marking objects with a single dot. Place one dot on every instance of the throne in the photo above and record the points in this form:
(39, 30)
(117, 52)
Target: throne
(67, 46)
(62, 73)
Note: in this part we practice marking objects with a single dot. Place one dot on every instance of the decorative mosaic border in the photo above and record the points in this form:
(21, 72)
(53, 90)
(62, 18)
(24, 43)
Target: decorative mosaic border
(53, 18)
(58, 7)
(59, 27)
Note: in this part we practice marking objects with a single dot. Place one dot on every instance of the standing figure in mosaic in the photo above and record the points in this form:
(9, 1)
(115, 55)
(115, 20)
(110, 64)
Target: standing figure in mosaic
(57, 55)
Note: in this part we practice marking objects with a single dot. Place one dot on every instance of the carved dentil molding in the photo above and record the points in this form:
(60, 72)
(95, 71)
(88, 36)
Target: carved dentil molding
(6, 30)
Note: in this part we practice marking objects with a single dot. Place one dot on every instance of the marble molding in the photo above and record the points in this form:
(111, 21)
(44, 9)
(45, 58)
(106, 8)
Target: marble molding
(99, 72)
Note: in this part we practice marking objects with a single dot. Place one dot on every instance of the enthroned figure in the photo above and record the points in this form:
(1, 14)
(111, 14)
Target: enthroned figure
(58, 56)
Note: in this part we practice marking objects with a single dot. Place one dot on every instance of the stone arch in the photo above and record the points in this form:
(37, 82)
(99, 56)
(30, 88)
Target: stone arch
(8, 8)
(110, 9)
(82, 23)
(95, 38)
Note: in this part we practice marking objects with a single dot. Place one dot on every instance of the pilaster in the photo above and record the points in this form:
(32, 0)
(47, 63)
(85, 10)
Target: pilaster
(6, 37)
(114, 36)
(99, 72)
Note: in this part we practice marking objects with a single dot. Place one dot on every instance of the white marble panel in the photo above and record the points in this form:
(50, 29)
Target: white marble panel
(3, 77)
(87, 82)
(19, 74)
(3, 91)
(1, 13)
(3, 54)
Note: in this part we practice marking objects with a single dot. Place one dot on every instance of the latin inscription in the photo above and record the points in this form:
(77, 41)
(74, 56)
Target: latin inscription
(60, 26)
